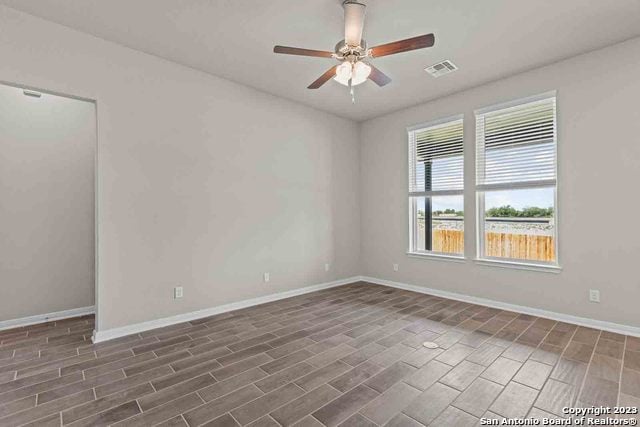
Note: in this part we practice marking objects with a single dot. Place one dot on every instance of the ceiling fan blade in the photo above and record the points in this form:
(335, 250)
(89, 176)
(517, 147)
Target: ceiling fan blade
(406, 45)
(302, 52)
(353, 22)
(328, 75)
(378, 77)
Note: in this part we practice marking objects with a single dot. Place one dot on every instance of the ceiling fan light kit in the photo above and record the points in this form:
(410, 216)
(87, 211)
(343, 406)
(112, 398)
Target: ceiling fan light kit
(357, 73)
(352, 52)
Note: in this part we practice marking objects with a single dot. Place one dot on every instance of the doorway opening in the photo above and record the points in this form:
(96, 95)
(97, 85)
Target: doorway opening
(47, 207)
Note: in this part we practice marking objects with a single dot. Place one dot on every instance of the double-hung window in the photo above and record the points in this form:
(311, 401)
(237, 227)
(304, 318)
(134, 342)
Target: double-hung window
(516, 182)
(436, 186)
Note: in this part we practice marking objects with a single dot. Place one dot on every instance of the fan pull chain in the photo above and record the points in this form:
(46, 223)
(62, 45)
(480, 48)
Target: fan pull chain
(352, 92)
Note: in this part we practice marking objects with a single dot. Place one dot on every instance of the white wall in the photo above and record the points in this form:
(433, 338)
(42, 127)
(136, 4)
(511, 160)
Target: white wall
(47, 156)
(599, 172)
(208, 184)
(201, 182)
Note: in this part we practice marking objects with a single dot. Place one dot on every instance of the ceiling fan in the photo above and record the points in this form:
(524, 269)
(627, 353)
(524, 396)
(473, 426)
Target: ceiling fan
(352, 52)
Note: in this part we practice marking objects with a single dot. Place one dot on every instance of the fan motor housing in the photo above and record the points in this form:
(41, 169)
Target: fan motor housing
(344, 50)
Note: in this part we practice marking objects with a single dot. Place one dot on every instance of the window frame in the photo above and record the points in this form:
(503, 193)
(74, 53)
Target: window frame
(413, 196)
(553, 266)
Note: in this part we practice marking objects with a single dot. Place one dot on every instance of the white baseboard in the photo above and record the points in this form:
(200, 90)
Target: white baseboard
(109, 334)
(48, 317)
(582, 321)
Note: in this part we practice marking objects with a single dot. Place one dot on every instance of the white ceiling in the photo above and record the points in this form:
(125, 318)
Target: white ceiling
(487, 39)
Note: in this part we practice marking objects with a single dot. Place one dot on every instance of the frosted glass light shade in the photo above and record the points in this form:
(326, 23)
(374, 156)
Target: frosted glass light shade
(343, 73)
(358, 73)
(361, 72)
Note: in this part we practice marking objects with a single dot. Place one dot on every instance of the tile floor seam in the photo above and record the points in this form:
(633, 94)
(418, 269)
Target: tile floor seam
(329, 402)
(96, 399)
(413, 387)
(499, 394)
(157, 422)
(467, 412)
(624, 350)
(586, 374)
(274, 420)
(542, 341)
(516, 373)
(564, 350)
(231, 415)
(205, 402)
(119, 421)
(530, 406)
(414, 419)
(69, 408)
(364, 416)
(554, 367)
(312, 416)
(275, 409)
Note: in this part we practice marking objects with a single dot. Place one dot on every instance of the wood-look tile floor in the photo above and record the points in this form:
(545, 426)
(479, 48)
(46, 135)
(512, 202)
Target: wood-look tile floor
(350, 356)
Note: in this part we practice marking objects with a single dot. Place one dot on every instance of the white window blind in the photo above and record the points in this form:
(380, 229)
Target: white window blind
(516, 146)
(436, 162)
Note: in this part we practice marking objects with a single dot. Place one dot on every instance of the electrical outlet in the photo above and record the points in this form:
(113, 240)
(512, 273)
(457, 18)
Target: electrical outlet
(326, 267)
(177, 292)
(395, 267)
(266, 277)
(594, 295)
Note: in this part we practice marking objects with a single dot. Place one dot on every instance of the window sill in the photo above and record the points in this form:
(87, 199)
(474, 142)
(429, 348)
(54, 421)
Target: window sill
(556, 269)
(436, 256)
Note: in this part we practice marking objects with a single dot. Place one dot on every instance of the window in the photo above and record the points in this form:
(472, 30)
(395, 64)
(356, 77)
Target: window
(516, 182)
(436, 185)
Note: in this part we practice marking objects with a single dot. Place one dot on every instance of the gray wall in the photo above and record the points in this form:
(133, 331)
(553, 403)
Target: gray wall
(201, 182)
(47, 156)
(599, 172)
